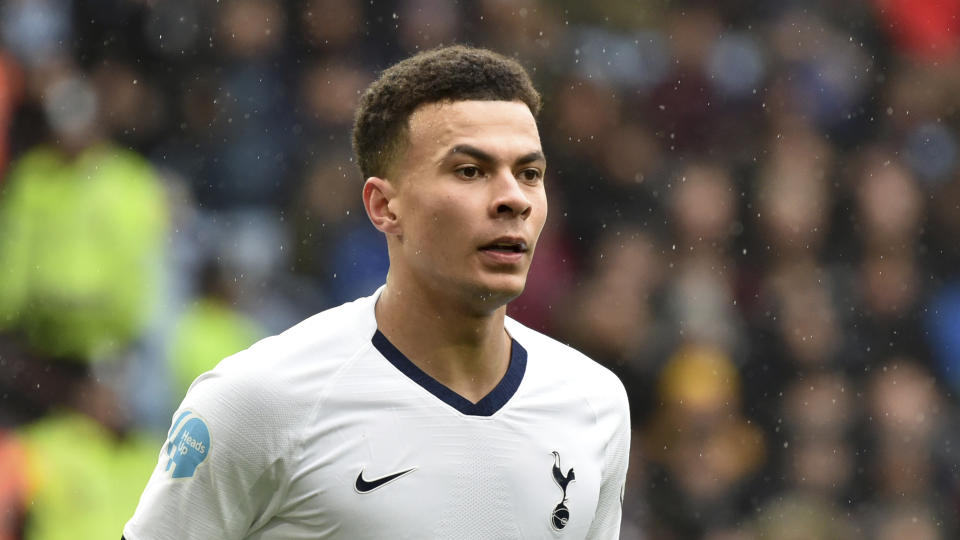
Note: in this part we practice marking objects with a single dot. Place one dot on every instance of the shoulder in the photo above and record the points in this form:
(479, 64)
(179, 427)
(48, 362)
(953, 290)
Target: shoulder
(552, 362)
(323, 340)
(37, 164)
(279, 380)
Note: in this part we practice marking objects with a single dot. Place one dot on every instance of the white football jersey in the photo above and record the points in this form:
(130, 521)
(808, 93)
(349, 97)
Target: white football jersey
(328, 431)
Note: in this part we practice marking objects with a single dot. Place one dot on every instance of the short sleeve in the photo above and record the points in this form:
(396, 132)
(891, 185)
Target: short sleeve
(222, 471)
(613, 419)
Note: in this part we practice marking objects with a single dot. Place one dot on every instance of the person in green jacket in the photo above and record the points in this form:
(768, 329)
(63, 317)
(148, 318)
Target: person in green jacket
(84, 224)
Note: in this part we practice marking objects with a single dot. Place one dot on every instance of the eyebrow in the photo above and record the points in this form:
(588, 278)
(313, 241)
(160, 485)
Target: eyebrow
(485, 157)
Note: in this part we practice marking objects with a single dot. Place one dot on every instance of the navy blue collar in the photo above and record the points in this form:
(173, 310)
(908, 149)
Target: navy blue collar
(491, 403)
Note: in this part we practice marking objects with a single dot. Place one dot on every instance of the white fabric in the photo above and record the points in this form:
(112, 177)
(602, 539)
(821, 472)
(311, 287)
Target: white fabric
(294, 419)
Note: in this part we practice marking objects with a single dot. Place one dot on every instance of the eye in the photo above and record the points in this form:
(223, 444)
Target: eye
(469, 172)
(531, 175)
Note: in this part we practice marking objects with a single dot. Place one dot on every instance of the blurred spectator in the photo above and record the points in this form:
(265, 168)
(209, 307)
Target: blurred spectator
(425, 24)
(905, 407)
(209, 330)
(819, 413)
(705, 451)
(614, 318)
(793, 196)
(247, 153)
(330, 91)
(331, 25)
(889, 206)
(84, 479)
(909, 459)
(345, 257)
(84, 224)
(131, 107)
(523, 28)
(700, 296)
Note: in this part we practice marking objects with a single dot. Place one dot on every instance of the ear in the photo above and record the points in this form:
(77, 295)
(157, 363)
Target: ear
(377, 194)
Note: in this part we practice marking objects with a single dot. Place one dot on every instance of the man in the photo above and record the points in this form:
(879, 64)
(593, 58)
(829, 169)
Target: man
(421, 411)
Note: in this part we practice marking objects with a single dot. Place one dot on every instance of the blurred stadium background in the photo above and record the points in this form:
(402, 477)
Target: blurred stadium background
(755, 221)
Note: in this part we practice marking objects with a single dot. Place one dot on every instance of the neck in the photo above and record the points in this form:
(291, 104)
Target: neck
(464, 350)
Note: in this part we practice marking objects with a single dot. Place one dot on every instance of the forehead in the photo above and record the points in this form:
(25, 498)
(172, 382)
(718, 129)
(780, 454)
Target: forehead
(502, 128)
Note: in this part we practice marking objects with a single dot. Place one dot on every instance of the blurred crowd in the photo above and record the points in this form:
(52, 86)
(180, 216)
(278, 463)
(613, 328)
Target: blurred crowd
(754, 221)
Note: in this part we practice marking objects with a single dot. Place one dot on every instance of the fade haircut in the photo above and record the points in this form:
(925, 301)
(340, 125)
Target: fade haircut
(446, 74)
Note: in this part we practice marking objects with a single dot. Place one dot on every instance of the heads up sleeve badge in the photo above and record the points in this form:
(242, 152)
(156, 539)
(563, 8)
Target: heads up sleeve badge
(188, 445)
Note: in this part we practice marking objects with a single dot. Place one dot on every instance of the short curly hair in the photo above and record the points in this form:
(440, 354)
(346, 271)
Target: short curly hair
(453, 73)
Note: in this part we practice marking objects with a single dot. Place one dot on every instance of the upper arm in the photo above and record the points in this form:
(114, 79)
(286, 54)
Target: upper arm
(221, 470)
(614, 421)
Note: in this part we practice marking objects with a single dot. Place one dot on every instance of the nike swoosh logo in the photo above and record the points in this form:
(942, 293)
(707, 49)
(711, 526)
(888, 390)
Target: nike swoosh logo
(366, 486)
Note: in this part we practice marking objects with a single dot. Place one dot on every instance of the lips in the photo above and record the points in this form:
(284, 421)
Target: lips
(506, 245)
(505, 252)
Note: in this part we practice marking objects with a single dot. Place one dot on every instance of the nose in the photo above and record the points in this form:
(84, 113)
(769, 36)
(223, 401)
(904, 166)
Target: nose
(509, 199)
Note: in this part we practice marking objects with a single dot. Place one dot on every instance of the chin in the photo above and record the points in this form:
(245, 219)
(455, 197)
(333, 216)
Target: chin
(497, 293)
